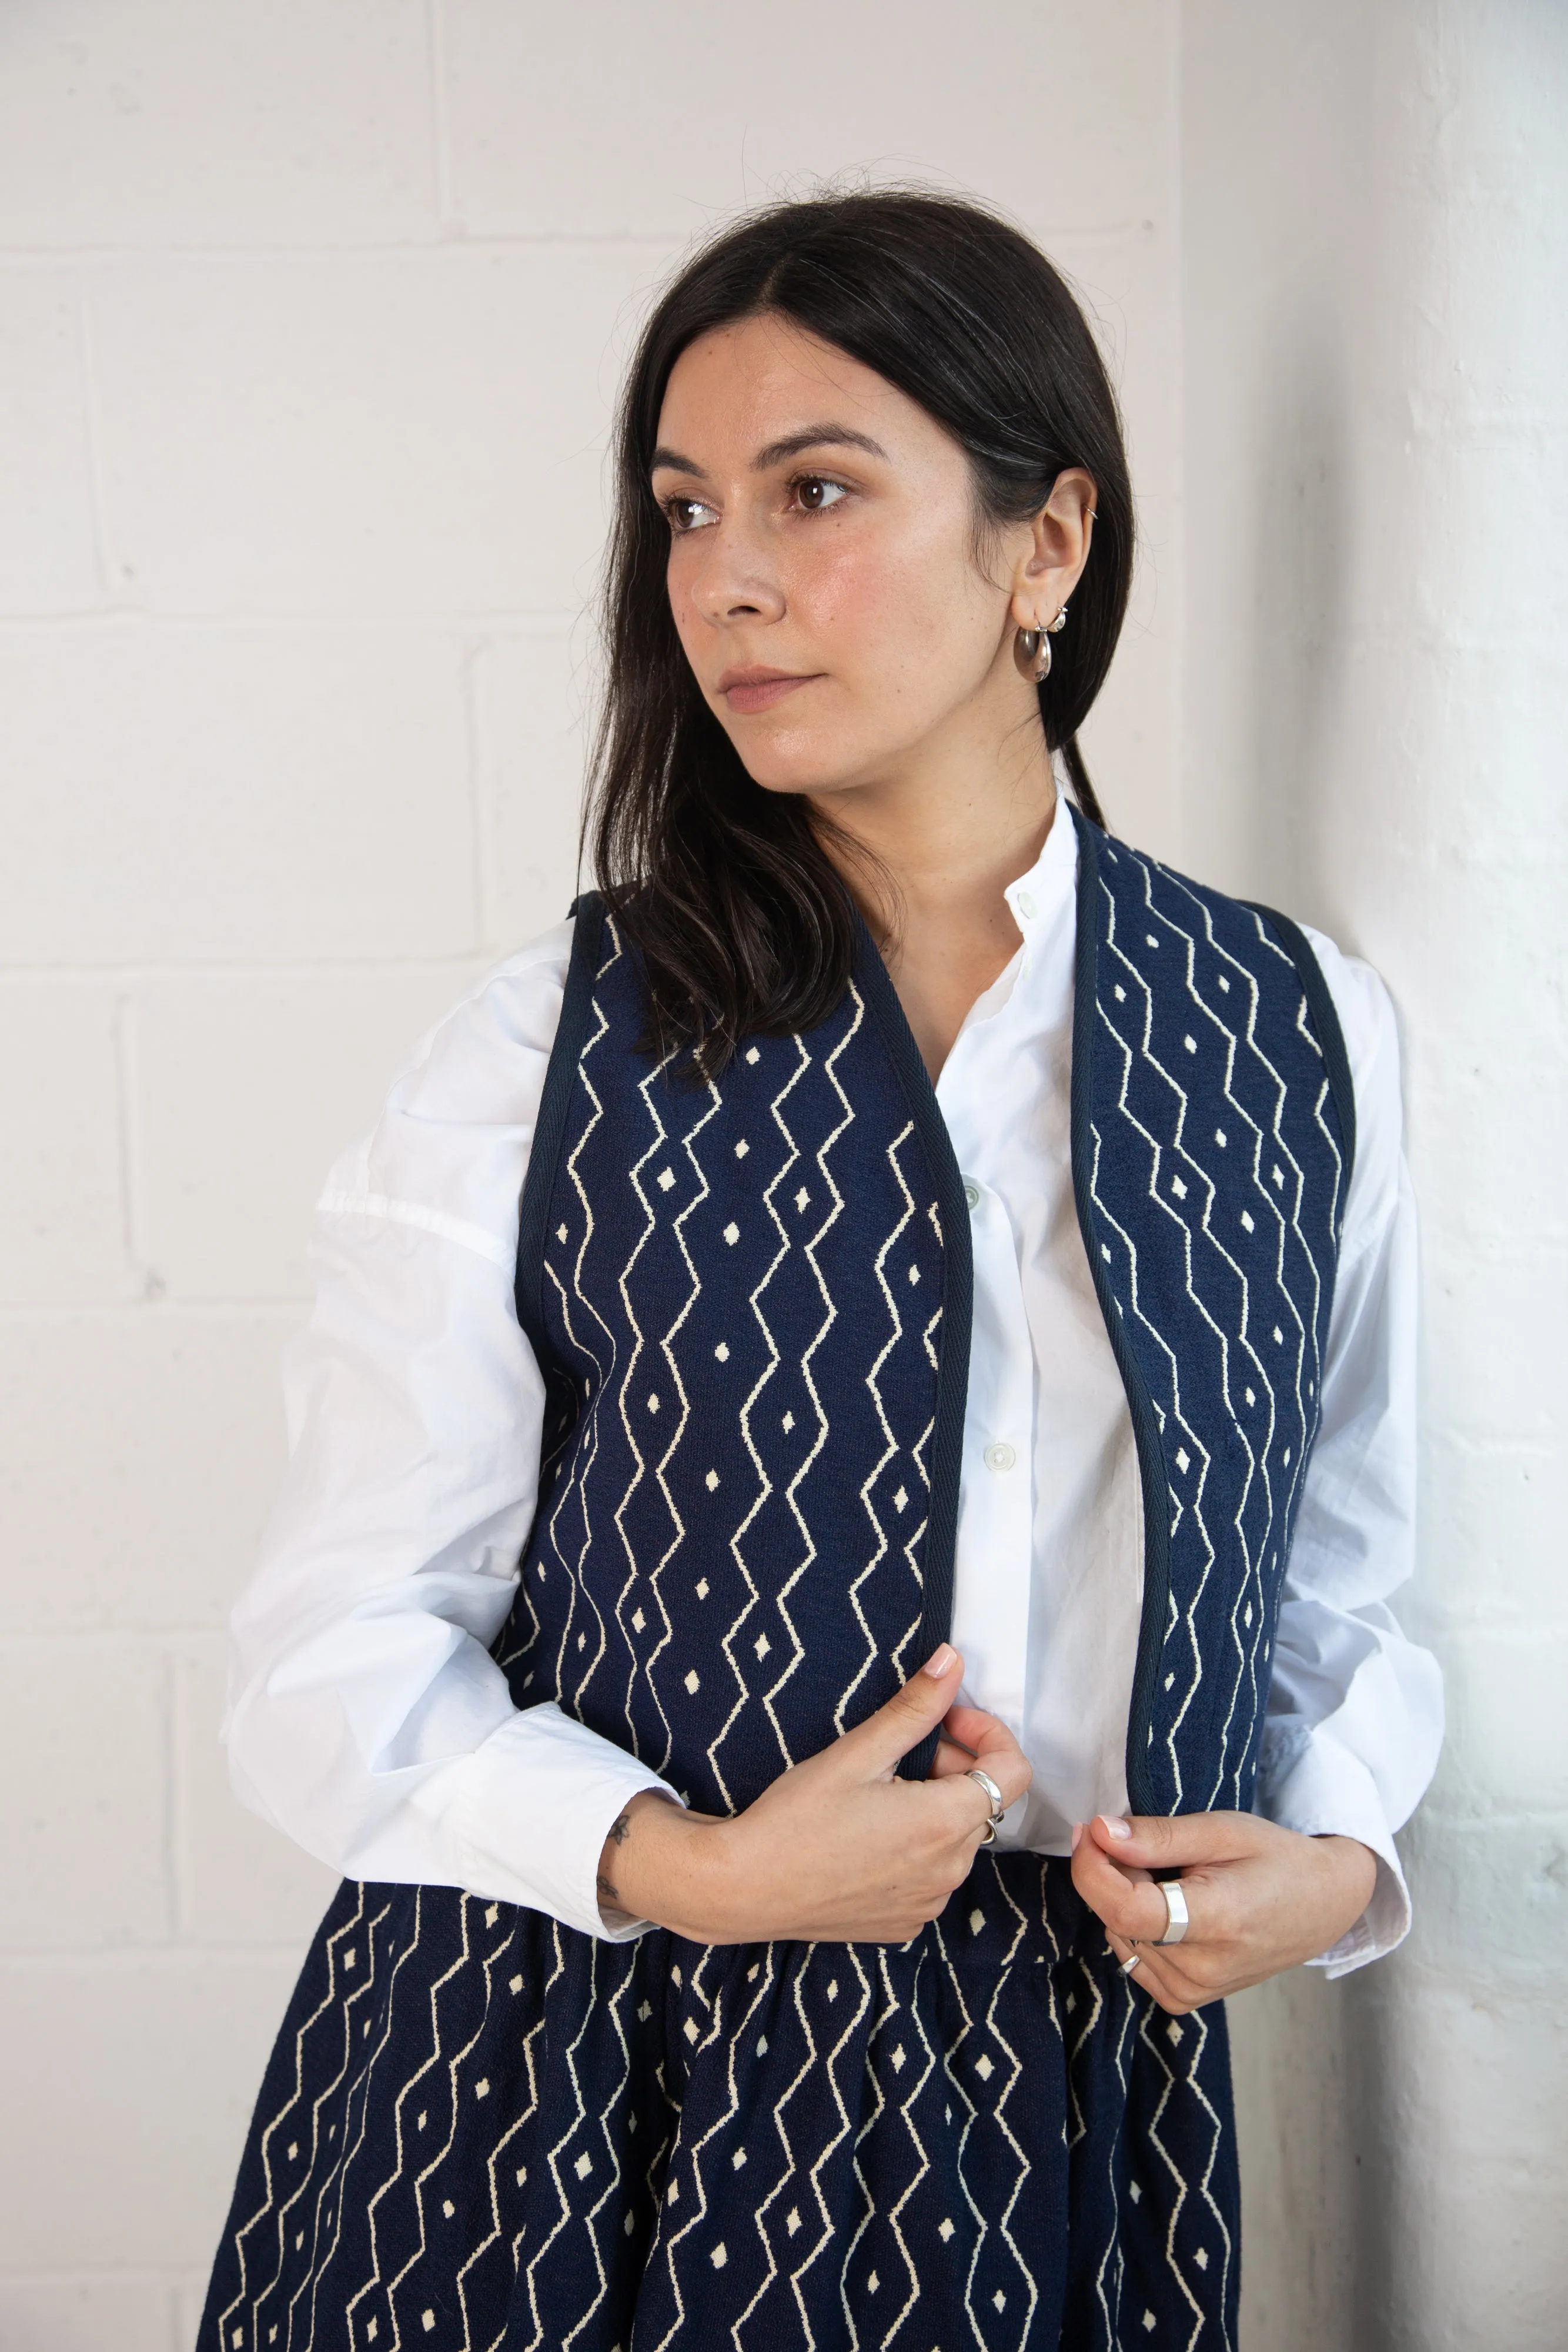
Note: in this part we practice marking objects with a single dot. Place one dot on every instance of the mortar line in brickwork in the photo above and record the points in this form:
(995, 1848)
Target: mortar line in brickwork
(17, 1959)
(186, 2291)
(459, 961)
(168, 2275)
(127, 1070)
(477, 748)
(1060, 239)
(456, 241)
(440, 124)
(537, 621)
(175, 1820)
(77, 1311)
(1482, 1816)
(175, 1640)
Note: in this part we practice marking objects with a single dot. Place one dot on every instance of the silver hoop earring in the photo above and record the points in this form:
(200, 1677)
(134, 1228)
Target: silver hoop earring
(1031, 648)
(1031, 651)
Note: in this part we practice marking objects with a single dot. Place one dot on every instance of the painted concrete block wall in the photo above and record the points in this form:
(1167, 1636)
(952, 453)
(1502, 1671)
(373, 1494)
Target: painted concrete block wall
(1376, 697)
(310, 319)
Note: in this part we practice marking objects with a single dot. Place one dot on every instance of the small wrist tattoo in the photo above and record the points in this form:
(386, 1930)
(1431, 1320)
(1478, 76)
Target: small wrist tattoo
(620, 1830)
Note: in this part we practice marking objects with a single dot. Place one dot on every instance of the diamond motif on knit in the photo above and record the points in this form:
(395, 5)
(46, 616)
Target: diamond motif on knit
(494, 2134)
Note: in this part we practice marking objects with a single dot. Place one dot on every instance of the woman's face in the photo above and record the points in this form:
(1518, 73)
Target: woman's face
(822, 571)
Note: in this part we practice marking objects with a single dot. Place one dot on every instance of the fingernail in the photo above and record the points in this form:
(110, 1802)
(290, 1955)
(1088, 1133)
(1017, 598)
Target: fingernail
(1115, 1828)
(1077, 1835)
(940, 1659)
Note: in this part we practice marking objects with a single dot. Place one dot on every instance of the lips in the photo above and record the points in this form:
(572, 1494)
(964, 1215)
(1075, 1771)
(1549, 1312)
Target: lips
(758, 689)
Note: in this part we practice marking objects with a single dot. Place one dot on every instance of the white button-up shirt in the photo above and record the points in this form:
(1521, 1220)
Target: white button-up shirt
(366, 1717)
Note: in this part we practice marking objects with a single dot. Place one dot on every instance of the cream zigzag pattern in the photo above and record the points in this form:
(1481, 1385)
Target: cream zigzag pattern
(1177, 1171)
(860, 2016)
(890, 1444)
(895, 2212)
(748, 1424)
(840, 2088)
(830, 1316)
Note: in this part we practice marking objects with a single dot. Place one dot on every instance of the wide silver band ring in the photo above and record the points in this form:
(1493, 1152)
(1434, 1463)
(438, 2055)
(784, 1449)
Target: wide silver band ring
(1177, 1920)
(998, 1806)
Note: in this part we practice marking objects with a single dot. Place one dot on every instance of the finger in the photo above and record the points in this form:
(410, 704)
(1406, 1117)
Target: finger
(879, 1742)
(967, 1802)
(1153, 1974)
(950, 1756)
(1127, 1899)
(952, 1764)
(969, 1738)
(1182, 1984)
(1158, 1842)
(976, 1727)
(970, 1802)
(994, 1748)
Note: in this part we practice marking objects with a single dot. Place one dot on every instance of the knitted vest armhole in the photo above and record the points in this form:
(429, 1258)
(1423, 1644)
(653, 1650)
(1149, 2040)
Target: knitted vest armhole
(549, 1129)
(1325, 1022)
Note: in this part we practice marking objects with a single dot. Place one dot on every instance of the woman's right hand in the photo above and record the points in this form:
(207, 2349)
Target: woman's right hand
(838, 1849)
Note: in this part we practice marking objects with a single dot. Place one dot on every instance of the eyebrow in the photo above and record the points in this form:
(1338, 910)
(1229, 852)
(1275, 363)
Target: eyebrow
(810, 437)
(816, 436)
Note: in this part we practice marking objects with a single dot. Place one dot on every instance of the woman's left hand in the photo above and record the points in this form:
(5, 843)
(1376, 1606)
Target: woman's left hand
(1259, 1898)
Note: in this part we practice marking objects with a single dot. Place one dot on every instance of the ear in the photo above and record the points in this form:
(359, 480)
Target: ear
(1052, 564)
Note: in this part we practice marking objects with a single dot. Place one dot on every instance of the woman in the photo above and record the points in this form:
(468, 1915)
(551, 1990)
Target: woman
(952, 1417)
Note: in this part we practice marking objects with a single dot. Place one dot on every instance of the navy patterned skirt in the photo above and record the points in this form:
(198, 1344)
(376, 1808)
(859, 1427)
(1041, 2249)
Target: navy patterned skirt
(480, 2129)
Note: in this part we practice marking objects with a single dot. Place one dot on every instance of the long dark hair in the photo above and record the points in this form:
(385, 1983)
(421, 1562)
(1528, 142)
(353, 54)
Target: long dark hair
(743, 922)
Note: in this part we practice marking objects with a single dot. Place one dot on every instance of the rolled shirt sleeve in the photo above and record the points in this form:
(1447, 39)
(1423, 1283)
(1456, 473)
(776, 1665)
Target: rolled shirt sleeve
(1355, 1711)
(366, 1717)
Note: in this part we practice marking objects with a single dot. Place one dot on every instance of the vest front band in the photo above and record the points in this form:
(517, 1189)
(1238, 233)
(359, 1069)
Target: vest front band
(751, 1300)
(1213, 1134)
(751, 1297)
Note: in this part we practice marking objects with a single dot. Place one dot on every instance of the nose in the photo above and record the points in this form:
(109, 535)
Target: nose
(734, 579)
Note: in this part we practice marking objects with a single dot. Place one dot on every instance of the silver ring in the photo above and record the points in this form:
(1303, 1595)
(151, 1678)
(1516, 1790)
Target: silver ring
(1177, 1920)
(1130, 1962)
(998, 1806)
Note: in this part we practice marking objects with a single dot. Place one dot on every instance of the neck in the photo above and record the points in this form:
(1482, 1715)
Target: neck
(942, 842)
(928, 856)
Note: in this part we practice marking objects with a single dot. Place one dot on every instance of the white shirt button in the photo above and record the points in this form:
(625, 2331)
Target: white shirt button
(971, 1193)
(1026, 904)
(1001, 1458)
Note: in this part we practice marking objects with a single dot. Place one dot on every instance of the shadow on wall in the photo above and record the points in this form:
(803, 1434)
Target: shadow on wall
(1369, 2028)
(1301, 587)
(1307, 2052)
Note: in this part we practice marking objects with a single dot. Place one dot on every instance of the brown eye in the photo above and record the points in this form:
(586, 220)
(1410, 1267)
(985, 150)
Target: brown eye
(688, 514)
(815, 495)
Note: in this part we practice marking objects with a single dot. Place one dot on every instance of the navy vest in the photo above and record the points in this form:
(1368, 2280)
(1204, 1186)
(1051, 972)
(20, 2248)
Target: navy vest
(750, 1299)
(751, 1303)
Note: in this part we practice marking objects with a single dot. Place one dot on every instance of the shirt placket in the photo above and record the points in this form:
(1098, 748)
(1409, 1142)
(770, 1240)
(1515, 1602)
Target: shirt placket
(992, 1562)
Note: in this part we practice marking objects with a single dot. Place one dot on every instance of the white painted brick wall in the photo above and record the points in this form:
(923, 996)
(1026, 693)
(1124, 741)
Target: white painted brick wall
(311, 323)
(171, 775)
(49, 556)
(62, 1218)
(1376, 372)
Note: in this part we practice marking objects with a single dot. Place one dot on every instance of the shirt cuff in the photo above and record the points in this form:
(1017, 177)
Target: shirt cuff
(531, 1819)
(1329, 1792)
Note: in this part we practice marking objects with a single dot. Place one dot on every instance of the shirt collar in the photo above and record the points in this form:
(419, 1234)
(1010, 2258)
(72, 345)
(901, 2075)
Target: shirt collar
(1039, 900)
(1036, 898)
